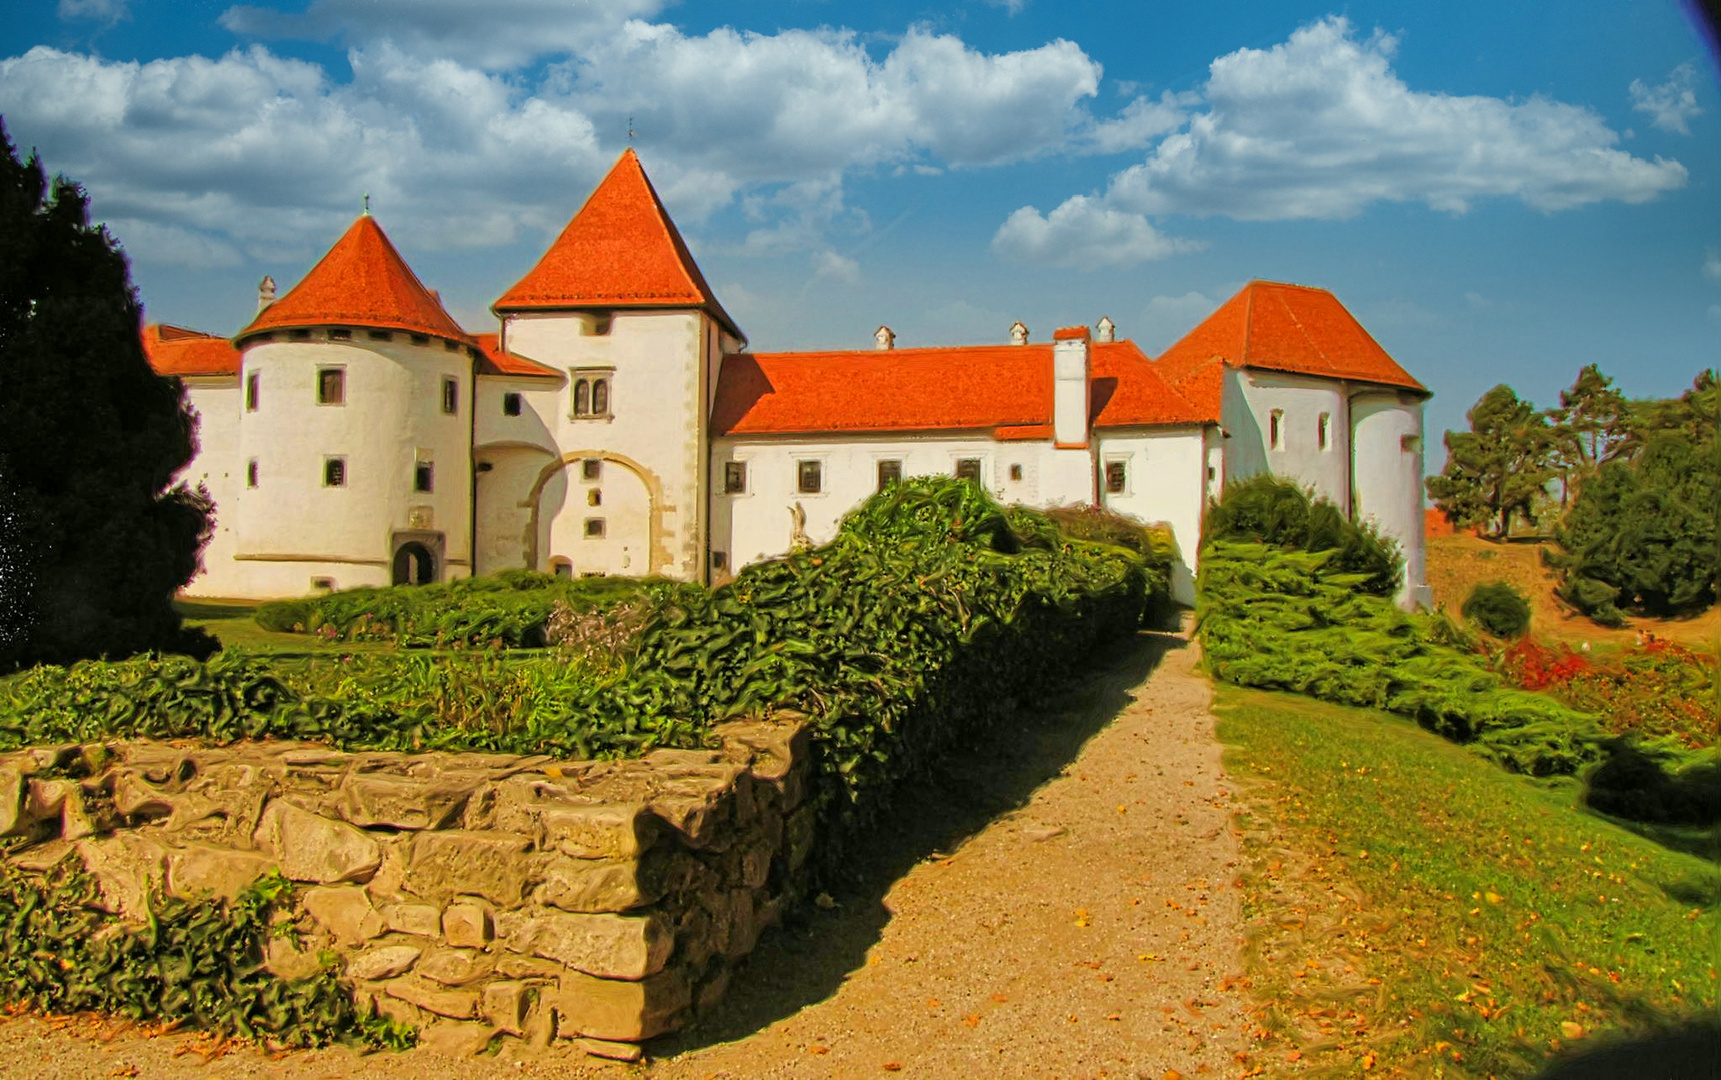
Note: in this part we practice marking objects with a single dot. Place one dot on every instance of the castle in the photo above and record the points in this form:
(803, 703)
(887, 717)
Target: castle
(615, 423)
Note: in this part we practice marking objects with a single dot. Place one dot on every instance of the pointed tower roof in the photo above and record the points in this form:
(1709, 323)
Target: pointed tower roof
(620, 251)
(1278, 327)
(362, 281)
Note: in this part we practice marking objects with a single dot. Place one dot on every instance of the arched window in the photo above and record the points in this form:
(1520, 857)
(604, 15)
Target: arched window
(582, 398)
(561, 568)
(600, 397)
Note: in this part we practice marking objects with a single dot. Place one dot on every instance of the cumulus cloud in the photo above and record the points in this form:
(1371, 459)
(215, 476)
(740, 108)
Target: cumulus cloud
(1321, 126)
(494, 35)
(1083, 234)
(1141, 121)
(1671, 105)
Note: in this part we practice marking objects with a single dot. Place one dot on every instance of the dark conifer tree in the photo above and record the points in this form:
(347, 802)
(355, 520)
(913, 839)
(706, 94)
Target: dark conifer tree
(93, 539)
(1496, 470)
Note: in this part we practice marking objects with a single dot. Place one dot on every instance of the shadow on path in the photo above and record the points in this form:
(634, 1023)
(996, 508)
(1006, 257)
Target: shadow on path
(807, 959)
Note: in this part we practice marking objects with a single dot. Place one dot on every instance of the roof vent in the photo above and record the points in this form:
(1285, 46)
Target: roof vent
(265, 292)
(1107, 329)
(1018, 334)
(883, 339)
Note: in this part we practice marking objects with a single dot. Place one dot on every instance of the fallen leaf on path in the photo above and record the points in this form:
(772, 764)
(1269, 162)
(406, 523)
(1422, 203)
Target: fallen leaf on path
(893, 1066)
(818, 1049)
(1571, 1030)
(971, 1020)
(1000, 998)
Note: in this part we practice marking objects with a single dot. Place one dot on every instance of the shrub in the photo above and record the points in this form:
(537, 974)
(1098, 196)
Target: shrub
(1267, 510)
(283, 616)
(1498, 608)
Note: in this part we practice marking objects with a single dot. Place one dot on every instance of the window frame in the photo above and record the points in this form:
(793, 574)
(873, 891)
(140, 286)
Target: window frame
(1119, 485)
(251, 473)
(335, 465)
(1276, 429)
(253, 390)
(588, 532)
(888, 465)
(733, 469)
(450, 395)
(1324, 431)
(512, 403)
(957, 467)
(818, 473)
(339, 373)
(591, 469)
(424, 477)
(586, 388)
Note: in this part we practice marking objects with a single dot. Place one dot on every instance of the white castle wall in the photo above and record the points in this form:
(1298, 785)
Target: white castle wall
(1162, 483)
(1388, 481)
(216, 400)
(1250, 398)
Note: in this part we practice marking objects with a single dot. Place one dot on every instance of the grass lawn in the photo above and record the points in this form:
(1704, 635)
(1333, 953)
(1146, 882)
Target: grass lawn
(1416, 910)
(231, 622)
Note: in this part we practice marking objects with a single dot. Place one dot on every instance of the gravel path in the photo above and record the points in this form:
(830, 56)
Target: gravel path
(1060, 904)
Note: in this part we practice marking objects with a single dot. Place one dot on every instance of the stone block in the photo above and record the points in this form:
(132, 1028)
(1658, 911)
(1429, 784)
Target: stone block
(401, 802)
(454, 1039)
(620, 1011)
(345, 911)
(389, 881)
(467, 925)
(313, 848)
(669, 758)
(487, 864)
(593, 885)
(43, 857)
(136, 797)
(511, 966)
(599, 830)
(425, 920)
(613, 1051)
(383, 962)
(611, 946)
(287, 959)
(506, 1005)
(711, 991)
(743, 924)
(456, 967)
(12, 790)
(426, 995)
(798, 835)
(222, 872)
(126, 867)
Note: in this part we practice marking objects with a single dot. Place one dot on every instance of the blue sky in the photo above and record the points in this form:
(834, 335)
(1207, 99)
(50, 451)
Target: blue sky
(1497, 195)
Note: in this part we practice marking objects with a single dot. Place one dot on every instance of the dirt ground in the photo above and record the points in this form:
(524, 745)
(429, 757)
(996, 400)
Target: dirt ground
(1063, 902)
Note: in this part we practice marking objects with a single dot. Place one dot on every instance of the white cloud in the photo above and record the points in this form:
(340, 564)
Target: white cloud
(1321, 126)
(1712, 265)
(170, 245)
(829, 264)
(107, 11)
(1672, 104)
(1167, 318)
(1011, 7)
(494, 35)
(1083, 234)
(1140, 122)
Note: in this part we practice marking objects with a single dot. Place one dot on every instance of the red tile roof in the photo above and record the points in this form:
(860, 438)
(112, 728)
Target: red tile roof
(493, 361)
(1278, 327)
(174, 350)
(362, 281)
(620, 251)
(1004, 389)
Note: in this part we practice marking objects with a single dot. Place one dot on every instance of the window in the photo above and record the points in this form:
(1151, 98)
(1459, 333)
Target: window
(1117, 477)
(719, 560)
(450, 346)
(421, 339)
(1324, 435)
(809, 477)
(591, 469)
(562, 568)
(1274, 423)
(251, 473)
(594, 528)
(734, 477)
(323, 584)
(510, 404)
(968, 468)
(331, 386)
(340, 335)
(251, 392)
(595, 497)
(1410, 444)
(450, 395)
(334, 472)
(381, 335)
(601, 323)
(889, 472)
(582, 397)
(424, 476)
(592, 393)
(1016, 472)
(600, 397)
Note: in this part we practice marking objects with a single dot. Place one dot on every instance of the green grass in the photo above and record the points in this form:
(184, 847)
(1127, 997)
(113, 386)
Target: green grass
(1494, 912)
(232, 623)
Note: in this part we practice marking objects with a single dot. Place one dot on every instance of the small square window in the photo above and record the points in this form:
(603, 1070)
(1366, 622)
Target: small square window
(510, 404)
(968, 469)
(601, 324)
(592, 469)
(331, 386)
(450, 395)
(1016, 472)
(810, 477)
(719, 560)
(889, 472)
(1117, 477)
(251, 388)
(595, 528)
(1410, 444)
(594, 497)
(334, 472)
(424, 476)
(450, 346)
(251, 473)
(323, 584)
(734, 477)
(421, 339)
(381, 335)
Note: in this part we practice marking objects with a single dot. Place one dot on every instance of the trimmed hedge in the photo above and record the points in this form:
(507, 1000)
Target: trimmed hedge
(1499, 609)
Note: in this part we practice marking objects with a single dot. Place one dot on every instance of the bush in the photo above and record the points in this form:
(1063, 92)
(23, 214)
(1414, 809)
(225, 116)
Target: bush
(283, 616)
(1499, 609)
(1267, 510)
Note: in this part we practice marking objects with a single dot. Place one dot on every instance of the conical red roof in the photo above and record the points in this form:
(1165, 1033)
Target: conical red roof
(621, 250)
(1278, 327)
(362, 281)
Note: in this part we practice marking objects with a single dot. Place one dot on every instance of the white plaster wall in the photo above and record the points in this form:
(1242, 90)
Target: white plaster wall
(1249, 398)
(391, 418)
(1389, 452)
(217, 401)
(505, 524)
(564, 507)
(757, 524)
(660, 394)
(1163, 482)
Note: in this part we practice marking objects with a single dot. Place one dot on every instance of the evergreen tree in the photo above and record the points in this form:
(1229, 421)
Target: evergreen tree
(95, 543)
(1588, 428)
(1495, 470)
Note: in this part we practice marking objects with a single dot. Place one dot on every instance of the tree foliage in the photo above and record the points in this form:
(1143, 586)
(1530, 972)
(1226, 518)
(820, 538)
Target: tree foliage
(1267, 510)
(1498, 608)
(1590, 427)
(90, 439)
(1495, 471)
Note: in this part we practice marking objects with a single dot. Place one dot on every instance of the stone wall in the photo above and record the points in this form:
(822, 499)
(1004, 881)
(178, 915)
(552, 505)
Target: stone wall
(466, 894)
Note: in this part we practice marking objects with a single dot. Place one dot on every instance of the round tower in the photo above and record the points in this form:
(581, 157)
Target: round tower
(355, 434)
(1386, 477)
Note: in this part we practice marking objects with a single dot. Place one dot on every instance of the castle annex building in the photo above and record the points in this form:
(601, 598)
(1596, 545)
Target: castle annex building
(616, 423)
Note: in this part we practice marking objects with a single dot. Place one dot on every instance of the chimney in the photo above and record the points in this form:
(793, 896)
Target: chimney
(883, 339)
(1106, 330)
(1070, 386)
(1018, 334)
(265, 293)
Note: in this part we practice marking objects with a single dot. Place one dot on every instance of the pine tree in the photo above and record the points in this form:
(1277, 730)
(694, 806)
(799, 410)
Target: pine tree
(95, 542)
(1495, 470)
(1589, 428)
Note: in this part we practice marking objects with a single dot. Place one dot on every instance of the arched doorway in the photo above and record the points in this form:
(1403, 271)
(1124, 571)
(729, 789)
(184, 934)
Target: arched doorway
(413, 564)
